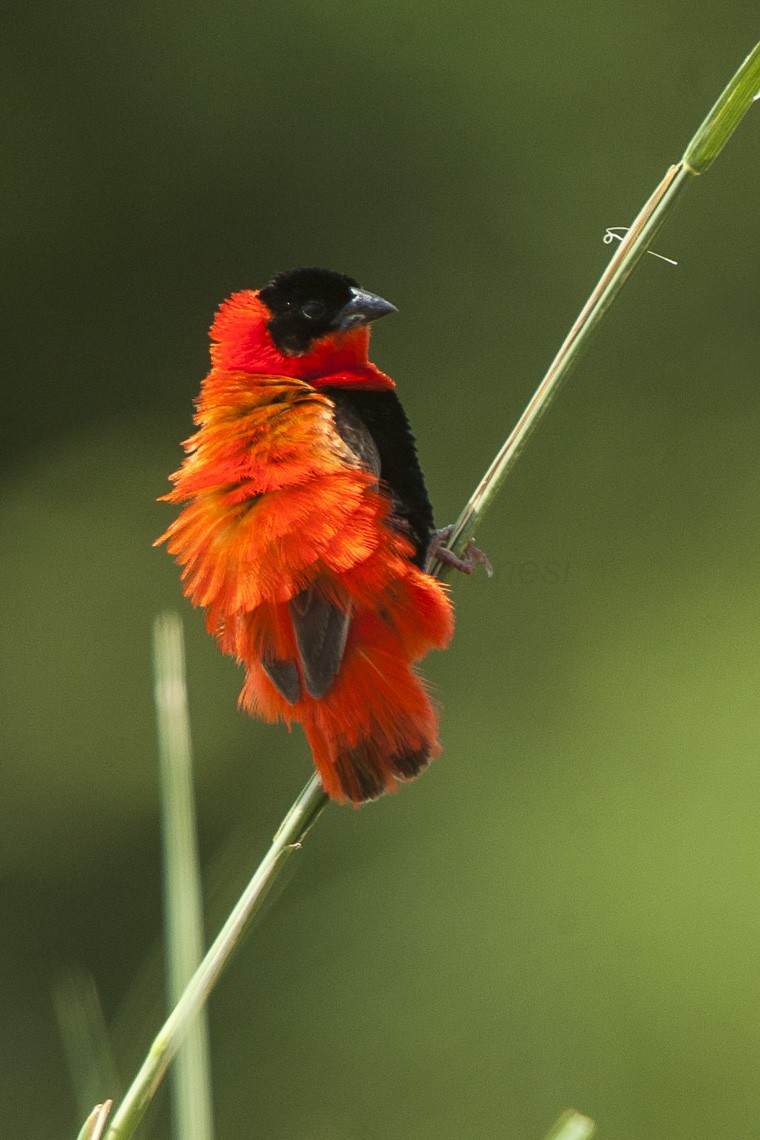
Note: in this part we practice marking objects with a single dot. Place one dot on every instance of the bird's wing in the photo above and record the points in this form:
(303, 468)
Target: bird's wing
(320, 622)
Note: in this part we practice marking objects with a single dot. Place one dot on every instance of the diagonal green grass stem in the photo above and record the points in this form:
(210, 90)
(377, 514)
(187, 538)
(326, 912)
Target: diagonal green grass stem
(710, 138)
(302, 815)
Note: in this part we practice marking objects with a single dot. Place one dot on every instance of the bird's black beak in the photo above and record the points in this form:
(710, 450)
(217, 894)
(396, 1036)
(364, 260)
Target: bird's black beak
(361, 309)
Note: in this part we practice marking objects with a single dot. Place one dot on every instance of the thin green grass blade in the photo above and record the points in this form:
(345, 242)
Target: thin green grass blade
(85, 1037)
(92, 1129)
(183, 919)
(572, 1125)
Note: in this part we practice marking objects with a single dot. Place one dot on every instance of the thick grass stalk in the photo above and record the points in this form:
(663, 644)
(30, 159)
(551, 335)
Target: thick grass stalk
(703, 148)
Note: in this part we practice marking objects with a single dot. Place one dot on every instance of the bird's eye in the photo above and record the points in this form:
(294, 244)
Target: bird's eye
(313, 310)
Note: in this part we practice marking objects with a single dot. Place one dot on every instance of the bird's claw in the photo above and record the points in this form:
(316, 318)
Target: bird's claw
(471, 557)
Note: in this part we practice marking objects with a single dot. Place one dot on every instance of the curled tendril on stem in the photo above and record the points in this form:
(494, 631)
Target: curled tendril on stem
(615, 233)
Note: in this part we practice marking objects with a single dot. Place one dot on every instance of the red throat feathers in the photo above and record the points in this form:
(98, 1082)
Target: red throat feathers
(305, 528)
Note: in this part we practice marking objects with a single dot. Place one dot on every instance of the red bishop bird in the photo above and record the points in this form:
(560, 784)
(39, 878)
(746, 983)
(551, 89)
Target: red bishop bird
(306, 526)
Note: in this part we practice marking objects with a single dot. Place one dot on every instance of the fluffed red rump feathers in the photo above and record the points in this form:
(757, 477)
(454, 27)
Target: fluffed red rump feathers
(303, 555)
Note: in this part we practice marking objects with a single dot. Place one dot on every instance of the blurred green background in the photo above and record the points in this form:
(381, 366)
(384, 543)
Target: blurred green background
(564, 910)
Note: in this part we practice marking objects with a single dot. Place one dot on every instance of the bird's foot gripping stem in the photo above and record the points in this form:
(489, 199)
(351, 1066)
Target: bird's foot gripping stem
(472, 556)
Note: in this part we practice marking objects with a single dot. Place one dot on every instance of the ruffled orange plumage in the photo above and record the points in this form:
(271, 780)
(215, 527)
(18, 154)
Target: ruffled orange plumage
(293, 544)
